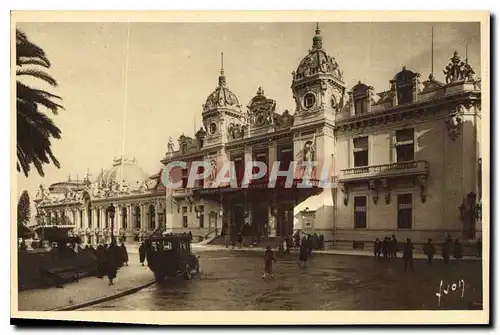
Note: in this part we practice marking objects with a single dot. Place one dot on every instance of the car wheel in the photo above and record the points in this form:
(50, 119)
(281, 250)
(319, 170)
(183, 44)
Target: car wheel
(187, 272)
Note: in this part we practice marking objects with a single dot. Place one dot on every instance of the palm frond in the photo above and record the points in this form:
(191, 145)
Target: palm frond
(37, 74)
(28, 94)
(27, 49)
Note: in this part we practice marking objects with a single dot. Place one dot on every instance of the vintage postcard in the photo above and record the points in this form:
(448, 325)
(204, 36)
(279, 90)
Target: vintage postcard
(304, 167)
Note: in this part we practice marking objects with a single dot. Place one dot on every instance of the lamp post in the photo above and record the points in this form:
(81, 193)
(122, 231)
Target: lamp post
(111, 211)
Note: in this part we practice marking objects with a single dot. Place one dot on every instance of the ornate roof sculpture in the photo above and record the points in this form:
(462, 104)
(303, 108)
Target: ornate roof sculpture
(458, 70)
(221, 96)
(261, 110)
(107, 185)
(187, 144)
(317, 61)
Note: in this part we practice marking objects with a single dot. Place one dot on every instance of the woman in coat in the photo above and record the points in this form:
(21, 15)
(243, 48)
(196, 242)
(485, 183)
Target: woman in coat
(268, 263)
(142, 253)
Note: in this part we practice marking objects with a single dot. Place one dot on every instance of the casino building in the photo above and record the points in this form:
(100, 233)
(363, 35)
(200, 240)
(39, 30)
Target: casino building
(405, 161)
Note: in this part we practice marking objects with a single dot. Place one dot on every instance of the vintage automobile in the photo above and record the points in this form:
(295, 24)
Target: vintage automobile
(170, 255)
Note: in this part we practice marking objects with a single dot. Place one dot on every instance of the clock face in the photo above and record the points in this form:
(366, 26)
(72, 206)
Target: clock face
(213, 128)
(309, 100)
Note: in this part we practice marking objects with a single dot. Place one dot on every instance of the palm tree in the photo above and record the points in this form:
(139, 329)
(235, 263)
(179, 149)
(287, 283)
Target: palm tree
(34, 128)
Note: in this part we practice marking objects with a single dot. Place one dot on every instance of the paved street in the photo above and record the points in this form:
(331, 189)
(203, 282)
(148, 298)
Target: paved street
(232, 280)
(86, 289)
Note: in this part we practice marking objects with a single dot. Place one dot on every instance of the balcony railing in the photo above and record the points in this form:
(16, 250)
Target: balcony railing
(385, 171)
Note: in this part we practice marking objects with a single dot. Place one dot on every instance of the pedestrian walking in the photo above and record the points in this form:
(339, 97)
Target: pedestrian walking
(288, 244)
(111, 264)
(309, 244)
(297, 239)
(240, 239)
(377, 248)
(446, 251)
(394, 247)
(385, 248)
(457, 250)
(269, 259)
(124, 253)
(321, 242)
(408, 254)
(303, 252)
(142, 253)
(429, 251)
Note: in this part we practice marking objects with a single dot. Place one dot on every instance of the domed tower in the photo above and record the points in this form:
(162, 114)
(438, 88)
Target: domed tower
(318, 87)
(220, 110)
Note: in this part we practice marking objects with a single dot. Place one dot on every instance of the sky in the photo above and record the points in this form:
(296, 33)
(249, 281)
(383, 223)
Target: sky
(117, 105)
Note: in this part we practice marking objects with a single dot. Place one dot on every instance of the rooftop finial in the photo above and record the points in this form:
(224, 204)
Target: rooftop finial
(317, 39)
(222, 77)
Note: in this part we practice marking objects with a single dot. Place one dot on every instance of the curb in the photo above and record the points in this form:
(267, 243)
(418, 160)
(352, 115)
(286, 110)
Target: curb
(326, 252)
(103, 299)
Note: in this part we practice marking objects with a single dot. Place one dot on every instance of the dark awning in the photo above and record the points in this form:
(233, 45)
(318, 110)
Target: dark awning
(24, 232)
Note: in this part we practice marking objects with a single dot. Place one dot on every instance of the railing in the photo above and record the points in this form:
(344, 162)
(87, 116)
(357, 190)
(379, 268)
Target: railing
(386, 170)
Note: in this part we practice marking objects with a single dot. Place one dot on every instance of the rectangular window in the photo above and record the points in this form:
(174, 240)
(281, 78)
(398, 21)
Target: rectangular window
(202, 217)
(360, 212)
(261, 157)
(185, 221)
(359, 107)
(185, 175)
(405, 211)
(360, 151)
(239, 169)
(405, 145)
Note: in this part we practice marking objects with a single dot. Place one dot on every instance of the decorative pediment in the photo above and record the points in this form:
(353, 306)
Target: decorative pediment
(236, 131)
(261, 109)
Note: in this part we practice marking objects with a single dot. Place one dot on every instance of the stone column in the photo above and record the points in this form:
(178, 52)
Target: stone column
(143, 217)
(118, 219)
(157, 208)
(169, 207)
(272, 224)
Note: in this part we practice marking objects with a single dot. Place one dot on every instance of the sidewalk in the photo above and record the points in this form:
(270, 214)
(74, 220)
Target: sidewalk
(416, 255)
(87, 290)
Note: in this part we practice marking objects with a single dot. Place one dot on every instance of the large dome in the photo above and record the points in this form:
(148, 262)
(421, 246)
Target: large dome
(123, 171)
(221, 97)
(317, 61)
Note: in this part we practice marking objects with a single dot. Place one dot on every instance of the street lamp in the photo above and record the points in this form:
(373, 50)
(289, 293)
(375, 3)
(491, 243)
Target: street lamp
(111, 211)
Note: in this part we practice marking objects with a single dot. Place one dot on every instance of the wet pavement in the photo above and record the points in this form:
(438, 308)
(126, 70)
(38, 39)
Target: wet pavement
(232, 280)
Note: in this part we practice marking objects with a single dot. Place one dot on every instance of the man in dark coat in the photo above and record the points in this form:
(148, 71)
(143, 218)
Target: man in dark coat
(446, 251)
(124, 253)
(268, 263)
(377, 248)
(394, 247)
(303, 253)
(408, 254)
(111, 263)
(142, 253)
(429, 251)
(309, 244)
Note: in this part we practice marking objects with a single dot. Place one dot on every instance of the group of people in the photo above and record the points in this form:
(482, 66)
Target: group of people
(389, 248)
(109, 259)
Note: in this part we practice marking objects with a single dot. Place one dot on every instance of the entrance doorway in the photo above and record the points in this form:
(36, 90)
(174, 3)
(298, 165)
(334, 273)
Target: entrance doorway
(238, 219)
(260, 216)
(285, 219)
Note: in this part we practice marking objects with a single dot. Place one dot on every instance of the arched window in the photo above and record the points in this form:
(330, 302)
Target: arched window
(137, 217)
(152, 223)
(98, 221)
(89, 214)
(124, 217)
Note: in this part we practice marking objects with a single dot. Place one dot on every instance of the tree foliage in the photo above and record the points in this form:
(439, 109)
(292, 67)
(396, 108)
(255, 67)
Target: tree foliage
(35, 129)
(23, 208)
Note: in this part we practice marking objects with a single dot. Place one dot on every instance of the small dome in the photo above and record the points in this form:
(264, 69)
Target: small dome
(125, 169)
(221, 97)
(317, 61)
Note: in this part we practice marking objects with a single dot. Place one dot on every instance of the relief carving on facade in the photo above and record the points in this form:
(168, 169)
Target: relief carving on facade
(372, 185)
(386, 187)
(422, 184)
(236, 131)
(284, 120)
(453, 123)
(345, 191)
